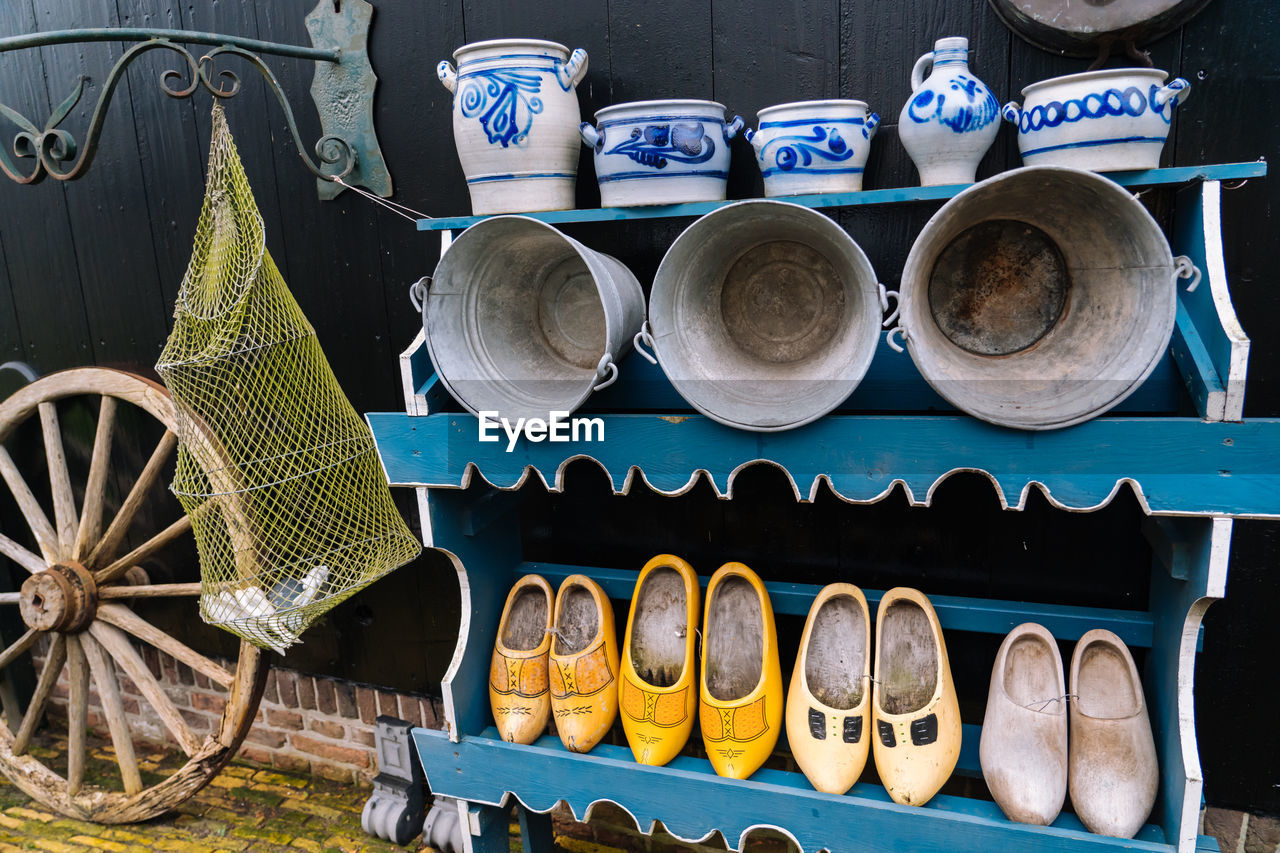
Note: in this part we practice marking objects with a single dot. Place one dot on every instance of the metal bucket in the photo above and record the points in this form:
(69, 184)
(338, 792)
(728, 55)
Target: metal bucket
(1039, 298)
(765, 315)
(524, 321)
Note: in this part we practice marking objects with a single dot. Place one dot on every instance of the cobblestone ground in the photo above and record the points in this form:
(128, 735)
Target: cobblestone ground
(243, 808)
(249, 808)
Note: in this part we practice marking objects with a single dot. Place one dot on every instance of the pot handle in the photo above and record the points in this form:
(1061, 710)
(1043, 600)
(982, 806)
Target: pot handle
(1172, 93)
(645, 337)
(418, 293)
(900, 331)
(590, 136)
(1184, 267)
(448, 75)
(885, 296)
(1011, 112)
(732, 128)
(606, 367)
(753, 136)
(872, 125)
(571, 72)
(917, 70)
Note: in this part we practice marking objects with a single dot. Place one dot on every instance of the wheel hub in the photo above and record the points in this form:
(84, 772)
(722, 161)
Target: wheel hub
(61, 598)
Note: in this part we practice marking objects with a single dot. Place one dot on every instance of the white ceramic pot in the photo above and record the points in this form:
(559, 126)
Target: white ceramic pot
(951, 118)
(661, 152)
(812, 147)
(515, 122)
(1106, 121)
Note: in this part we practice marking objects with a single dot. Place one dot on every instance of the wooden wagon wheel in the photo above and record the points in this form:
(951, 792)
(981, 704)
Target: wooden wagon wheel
(77, 594)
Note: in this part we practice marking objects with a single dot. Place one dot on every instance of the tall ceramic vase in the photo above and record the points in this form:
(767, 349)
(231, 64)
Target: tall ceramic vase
(951, 118)
(515, 122)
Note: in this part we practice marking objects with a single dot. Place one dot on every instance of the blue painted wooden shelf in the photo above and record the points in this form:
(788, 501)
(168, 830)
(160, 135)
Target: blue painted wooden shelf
(896, 195)
(692, 799)
(1179, 441)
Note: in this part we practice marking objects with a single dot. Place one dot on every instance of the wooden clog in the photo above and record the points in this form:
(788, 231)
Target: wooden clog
(1113, 774)
(914, 706)
(1024, 733)
(518, 671)
(829, 702)
(584, 664)
(740, 696)
(657, 692)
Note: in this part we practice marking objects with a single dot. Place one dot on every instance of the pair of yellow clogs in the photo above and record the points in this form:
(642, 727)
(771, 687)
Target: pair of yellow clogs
(555, 654)
(833, 702)
(739, 696)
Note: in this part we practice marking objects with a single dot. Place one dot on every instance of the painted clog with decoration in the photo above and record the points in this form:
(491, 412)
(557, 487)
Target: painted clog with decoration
(741, 685)
(584, 664)
(518, 671)
(657, 692)
(829, 703)
(914, 705)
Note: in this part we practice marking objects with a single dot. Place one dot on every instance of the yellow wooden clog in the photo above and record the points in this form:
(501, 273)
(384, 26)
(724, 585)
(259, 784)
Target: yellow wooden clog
(917, 717)
(657, 691)
(829, 703)
(584, 664)
(518, 670)
(741, 683)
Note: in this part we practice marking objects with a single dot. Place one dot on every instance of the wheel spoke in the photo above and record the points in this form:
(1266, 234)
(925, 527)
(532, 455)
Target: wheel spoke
(110, 542)
(25, 642)
(10, 598)
(104, 677)
(154, 590)
(123, 617)
(20, 555)
(126, 656)
(64, 502)
(143, 551)
(35, 708)
(95, 486)
(36, 519)
(77, 714)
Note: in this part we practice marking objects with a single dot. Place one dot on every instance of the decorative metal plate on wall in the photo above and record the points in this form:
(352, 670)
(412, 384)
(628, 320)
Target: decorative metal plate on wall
(1092, 27)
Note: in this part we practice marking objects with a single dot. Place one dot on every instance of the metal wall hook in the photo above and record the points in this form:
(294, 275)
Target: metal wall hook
(348, 147)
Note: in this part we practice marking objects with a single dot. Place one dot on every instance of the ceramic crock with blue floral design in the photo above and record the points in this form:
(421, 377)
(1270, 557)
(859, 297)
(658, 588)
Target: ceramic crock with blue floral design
(951, 118)
(661, 152)
(812, 147)
(515, 122)
(1108, 121)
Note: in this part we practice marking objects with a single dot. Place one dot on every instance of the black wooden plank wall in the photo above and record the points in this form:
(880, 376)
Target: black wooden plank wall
(89, 271)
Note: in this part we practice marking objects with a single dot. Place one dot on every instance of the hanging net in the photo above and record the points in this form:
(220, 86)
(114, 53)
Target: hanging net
(278, 474)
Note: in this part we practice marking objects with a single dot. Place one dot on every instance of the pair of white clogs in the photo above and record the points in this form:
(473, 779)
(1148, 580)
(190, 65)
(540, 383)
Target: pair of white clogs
(908, 714)
(1109, 761)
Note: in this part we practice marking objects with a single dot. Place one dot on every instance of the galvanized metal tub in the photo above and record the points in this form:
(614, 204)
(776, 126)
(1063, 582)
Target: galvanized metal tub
(765, 315)
(524, 321)
(1039, 298)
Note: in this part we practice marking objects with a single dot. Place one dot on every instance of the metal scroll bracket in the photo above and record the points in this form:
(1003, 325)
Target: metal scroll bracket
(342, 90)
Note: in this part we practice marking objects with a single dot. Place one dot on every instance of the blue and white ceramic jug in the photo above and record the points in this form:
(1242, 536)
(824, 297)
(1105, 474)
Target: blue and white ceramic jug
(951, 118)
(515, 122)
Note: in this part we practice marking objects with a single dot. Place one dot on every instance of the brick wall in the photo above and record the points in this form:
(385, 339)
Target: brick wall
(305, 723)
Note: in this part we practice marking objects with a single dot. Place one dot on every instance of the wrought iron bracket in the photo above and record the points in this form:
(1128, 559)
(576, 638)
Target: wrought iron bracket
(342, 91)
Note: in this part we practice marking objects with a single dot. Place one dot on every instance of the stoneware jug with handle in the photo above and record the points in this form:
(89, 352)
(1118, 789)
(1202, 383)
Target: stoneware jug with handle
(951, 118)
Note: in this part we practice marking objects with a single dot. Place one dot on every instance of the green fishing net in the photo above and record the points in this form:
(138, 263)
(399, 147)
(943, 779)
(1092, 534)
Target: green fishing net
(278, 474)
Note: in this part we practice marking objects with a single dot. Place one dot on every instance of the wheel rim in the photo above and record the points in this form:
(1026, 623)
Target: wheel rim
(76, 599)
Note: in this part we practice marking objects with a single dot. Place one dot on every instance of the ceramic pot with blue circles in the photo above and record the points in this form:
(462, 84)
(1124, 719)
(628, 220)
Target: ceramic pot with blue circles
(951, 118)
(1106, 121)
(515, 122)
(812, 147)
(661, 152)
